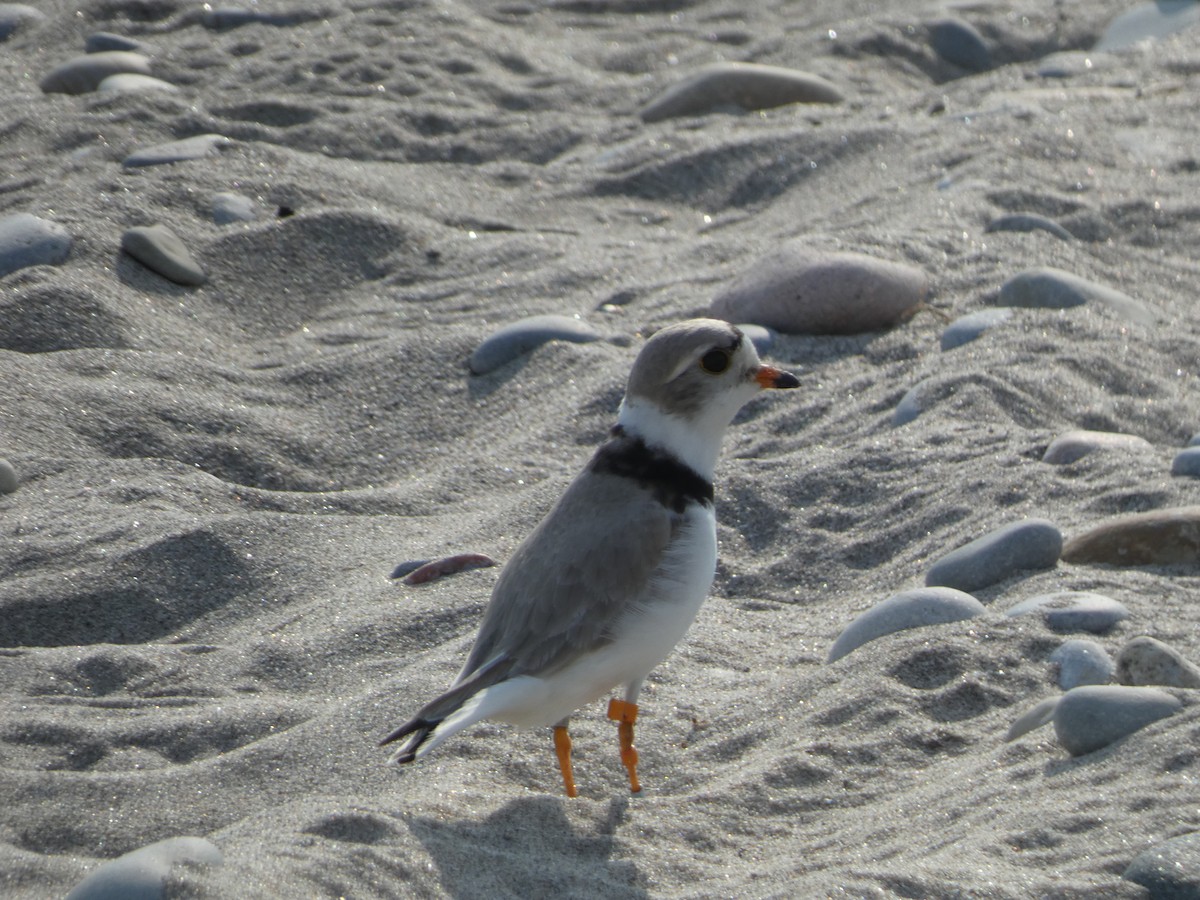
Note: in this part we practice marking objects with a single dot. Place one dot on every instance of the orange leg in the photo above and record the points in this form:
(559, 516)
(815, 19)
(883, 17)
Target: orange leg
(625, 714)
(562, 746)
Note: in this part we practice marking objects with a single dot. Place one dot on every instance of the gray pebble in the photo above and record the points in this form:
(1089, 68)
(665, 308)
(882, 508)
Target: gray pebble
(1068, 64)
(912, 404)
(959, 43)
(805, 290)
(1029, 544)
(1144, 660)
(518, 338)
(747, 86)
(967, 328)
(83, 74)
(1148, 22)
(1159, 537)
(160, 250)
(1042, 714)
(1050, 288)
(1074, 445)
(225, 17)
(228, 208)
(141, 874)
(8, 477)
(1187, 462)
(1074, 611)
(14, 16)
(104, 41)
(907, 609)
(1082, 662)
(1094, 716)
(1194, 440)
(26, 240)
(1028, 222)
(761, 337)
(1170, 870)
(129, 82)
(177, 151)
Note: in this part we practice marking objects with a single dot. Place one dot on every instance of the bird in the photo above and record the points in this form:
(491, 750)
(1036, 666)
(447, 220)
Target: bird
(607, 584)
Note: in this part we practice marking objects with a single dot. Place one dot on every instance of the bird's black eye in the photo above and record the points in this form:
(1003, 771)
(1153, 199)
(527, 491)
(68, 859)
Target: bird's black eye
(714, 362)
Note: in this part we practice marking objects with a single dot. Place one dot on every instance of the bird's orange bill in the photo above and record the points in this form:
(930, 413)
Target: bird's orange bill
(562, 746)
(771, 377)
(625, 714)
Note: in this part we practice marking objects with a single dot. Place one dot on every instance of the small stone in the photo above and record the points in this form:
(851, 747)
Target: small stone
(104, 41)
(518, 338)
(907, 609)
(1094, 716)
(160, 250)
(226, 17)
(967, 328)
(8, 477)
(228, 208)
(1194, 440)
(1050, 288)
(804, 290)
(1074, 611)
(83, 74)
(912, 404)
(959, 43)
(1148, 22)
(131, 83)
(1160, 537)
(1074, 445)
(1187, 462)
(1144, 660)
(177, 151)
(26, 240)
(142, 873)
(1082, 662)
(1170, 870)
(1026, 222)
(746, 86)
(1029, 544)
(14, 16)
(1040, 715)
(1068, 64)
(762, 338)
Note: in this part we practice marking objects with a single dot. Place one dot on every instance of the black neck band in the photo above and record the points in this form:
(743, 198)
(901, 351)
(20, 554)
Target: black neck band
(674, 484)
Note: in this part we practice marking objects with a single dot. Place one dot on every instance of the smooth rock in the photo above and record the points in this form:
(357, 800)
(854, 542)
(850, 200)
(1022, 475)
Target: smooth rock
(518, 338)
(907, 609)
(1026, 222)
(967, 328)
(1149, 22)
(1028, 544)
(960, 43)
(1144, 660)
(1074, 611)
(1074, 445)
(226, 17)
(1050, 288)
(228, 208)
(1040, 715)
(104, 41)
(1068, 64)
(748, 86)
(83, 74)
(26, 240)
(804, 290)
(160, 250)
(761, 337)
(14, 16)
(177, 151)
(1094, 716)
(1159, 537)
(1194, 440)
(8, 477)
(1082, 662)
(1170, 870)
(141, 874)
(1187, 462)
(130, 82)
(912, 404)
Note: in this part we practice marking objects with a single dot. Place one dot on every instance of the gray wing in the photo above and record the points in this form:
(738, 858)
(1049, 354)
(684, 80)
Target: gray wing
(575, 574)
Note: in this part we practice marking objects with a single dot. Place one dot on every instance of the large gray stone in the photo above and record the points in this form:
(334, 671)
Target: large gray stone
(1091, 717)
(1028, 544)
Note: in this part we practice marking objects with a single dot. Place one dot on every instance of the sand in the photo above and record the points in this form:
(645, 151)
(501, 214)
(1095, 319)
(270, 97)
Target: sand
(198, 633)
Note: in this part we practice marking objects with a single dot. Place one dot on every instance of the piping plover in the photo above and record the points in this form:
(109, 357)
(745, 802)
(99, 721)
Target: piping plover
(612, 577)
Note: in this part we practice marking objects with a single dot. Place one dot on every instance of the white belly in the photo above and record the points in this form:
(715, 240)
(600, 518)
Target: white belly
(643, 637)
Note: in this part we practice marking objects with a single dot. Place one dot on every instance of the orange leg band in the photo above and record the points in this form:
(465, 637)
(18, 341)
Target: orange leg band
(562, 746)
(625, 714)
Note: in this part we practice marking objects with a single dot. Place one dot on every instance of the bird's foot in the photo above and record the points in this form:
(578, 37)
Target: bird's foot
(562, 747)
(624, 714)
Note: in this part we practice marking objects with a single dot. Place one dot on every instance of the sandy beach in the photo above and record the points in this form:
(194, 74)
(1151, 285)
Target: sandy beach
(238, 397)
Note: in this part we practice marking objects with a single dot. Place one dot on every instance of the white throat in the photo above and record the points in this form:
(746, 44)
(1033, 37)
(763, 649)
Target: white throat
(697, 444)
